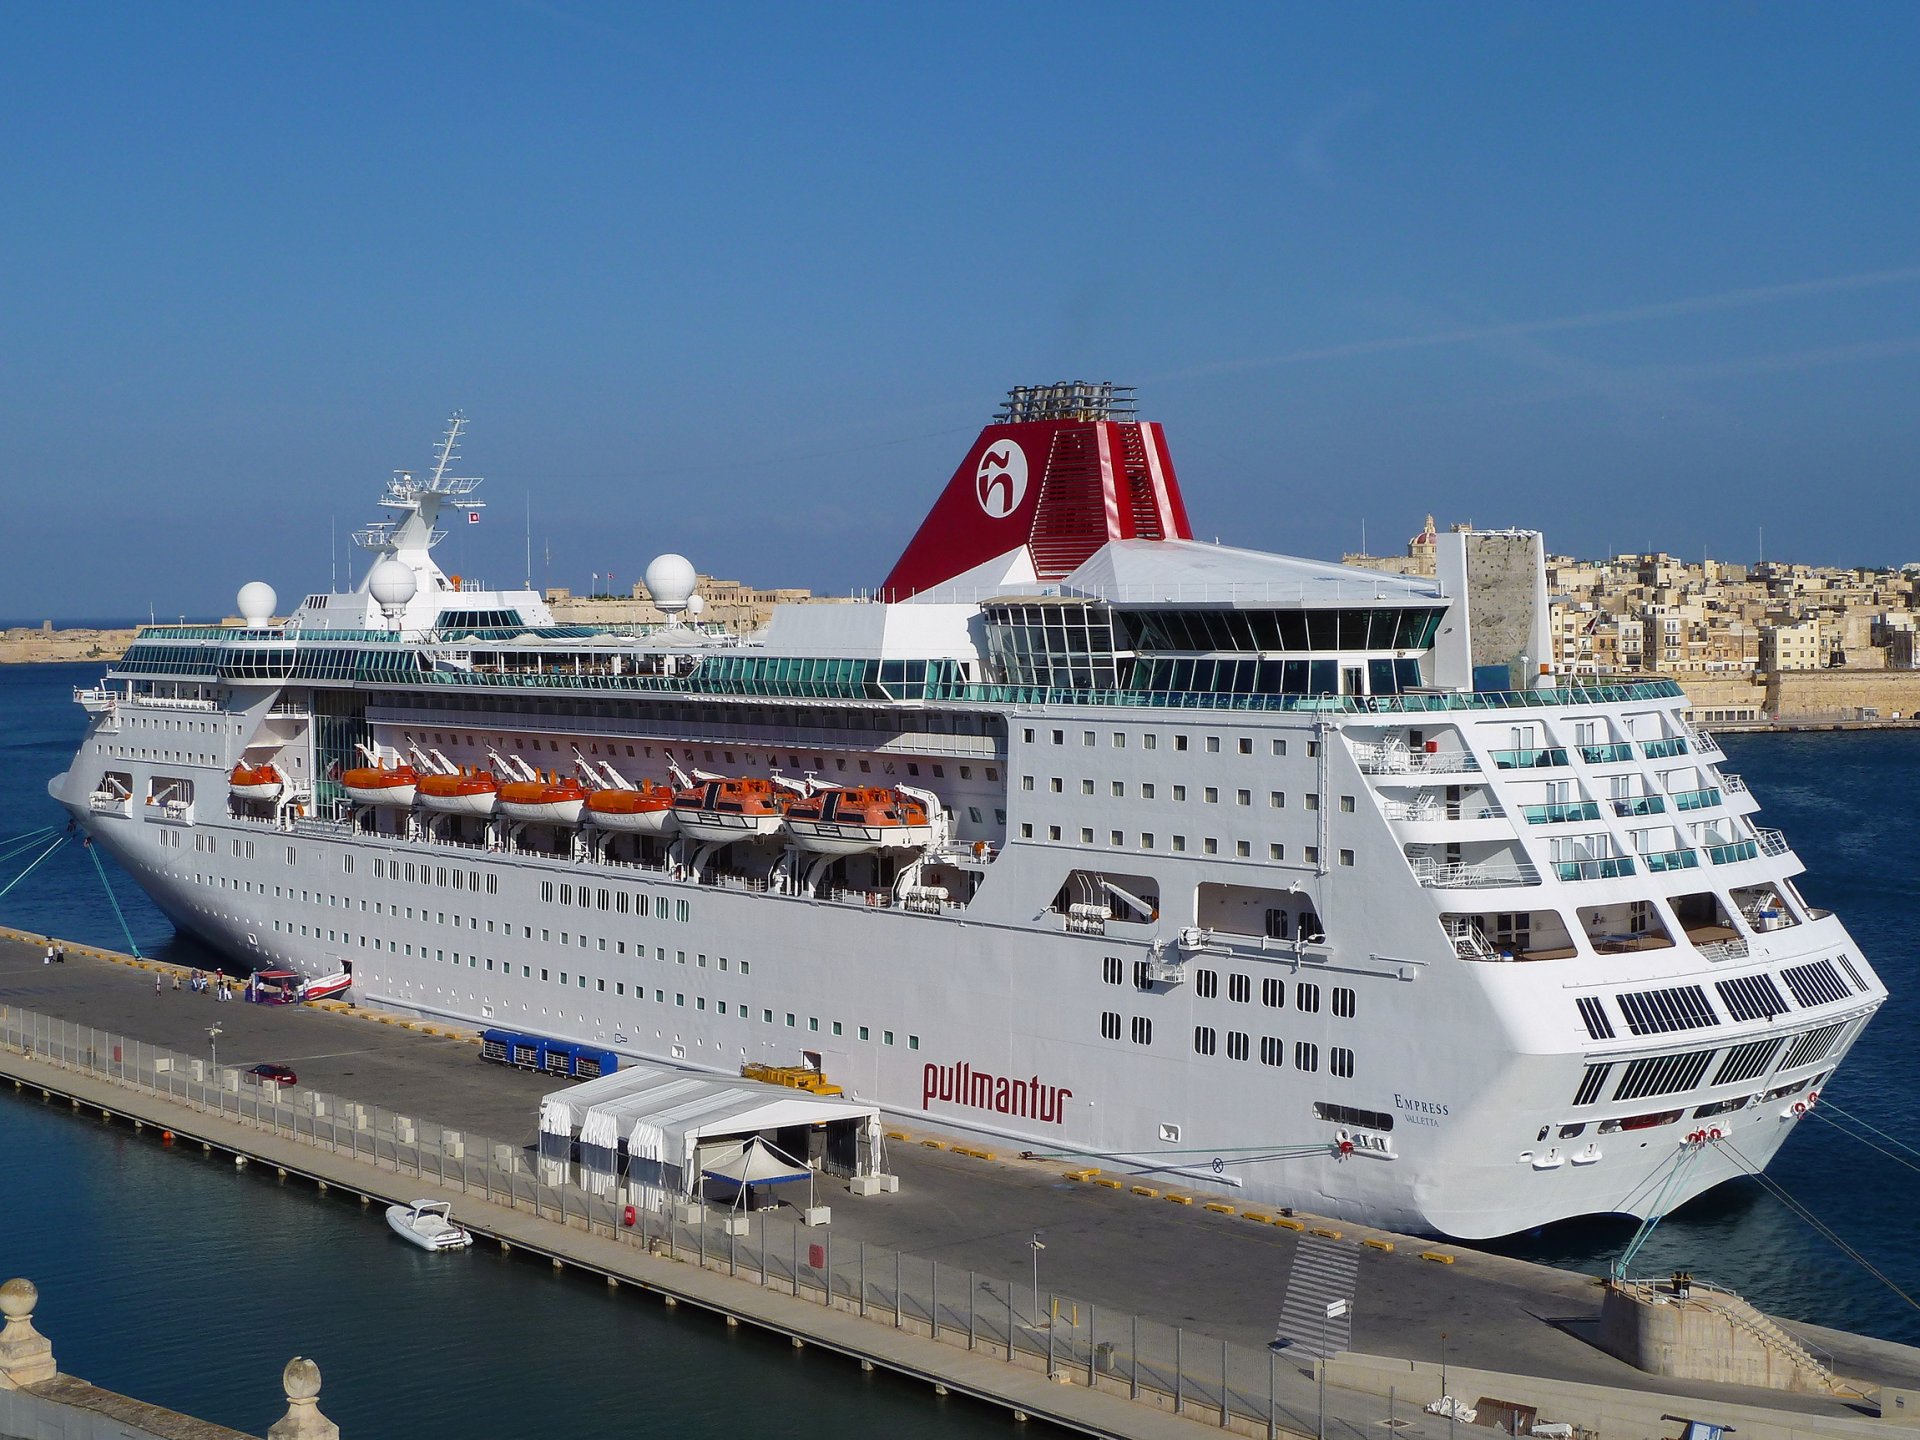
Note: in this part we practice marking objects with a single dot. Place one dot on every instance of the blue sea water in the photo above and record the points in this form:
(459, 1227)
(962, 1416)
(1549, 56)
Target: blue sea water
(226, 1283)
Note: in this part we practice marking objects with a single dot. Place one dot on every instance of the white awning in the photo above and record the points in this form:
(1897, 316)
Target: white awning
(755, 1163)
(663, 1115)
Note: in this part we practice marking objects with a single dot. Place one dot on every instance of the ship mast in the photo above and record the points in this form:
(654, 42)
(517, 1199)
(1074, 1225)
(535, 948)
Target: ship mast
(411, 536)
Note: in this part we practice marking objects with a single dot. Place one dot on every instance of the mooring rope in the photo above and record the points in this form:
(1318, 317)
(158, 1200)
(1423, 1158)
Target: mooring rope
(113, 900)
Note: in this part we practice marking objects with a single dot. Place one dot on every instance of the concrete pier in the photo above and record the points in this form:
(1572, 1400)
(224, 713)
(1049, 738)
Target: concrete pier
(1207, 1275)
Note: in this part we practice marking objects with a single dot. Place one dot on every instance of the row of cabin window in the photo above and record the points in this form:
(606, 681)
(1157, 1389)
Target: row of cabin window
(1273, 988)
(1177, 844)
(1151, 741)
(1210, 794)
(1273, 1051)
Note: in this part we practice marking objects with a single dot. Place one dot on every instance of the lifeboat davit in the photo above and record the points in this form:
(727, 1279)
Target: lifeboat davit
(255, 782)
(466, 792)
(377, 785)
(555, 800)
(724, 811)
(646, 811)
(859, 819)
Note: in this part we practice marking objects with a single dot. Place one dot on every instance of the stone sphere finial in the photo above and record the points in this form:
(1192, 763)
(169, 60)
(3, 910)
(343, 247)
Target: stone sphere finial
(18, 1297)
(303, 1420)
(301, 1378)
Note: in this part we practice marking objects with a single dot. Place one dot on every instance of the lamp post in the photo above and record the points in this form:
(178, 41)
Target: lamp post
(214, 1033)
(1035, 1246)
(1443, 1363)
(1335, 1309)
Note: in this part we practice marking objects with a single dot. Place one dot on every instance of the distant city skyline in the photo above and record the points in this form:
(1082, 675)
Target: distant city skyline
(744, 282)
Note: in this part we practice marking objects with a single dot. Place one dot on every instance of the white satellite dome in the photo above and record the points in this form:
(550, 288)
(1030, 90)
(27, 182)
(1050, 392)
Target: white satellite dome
(392, 584)
(257, 603)
(670, 580)
(695, 604)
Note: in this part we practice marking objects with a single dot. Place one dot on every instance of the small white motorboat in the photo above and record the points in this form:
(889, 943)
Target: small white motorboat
(428, 1224)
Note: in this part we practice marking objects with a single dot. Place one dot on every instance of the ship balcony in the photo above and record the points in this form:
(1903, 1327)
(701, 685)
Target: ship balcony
(1391, 757)
(1561, 813)
(1664, 749)
(1732, 783)
(1509, 936)
(1481, 875)
(1612, 754)
(1695, 799)
(1733, 852)
(1631, 805)
(1772, 842)
(1544, 757)
(1660, 861)
(1708, 927)
(1603, 867)
(1705, 744)
(1763, 908)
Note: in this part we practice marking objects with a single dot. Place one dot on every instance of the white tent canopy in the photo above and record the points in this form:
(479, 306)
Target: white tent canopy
(754, 1162)
(667, 1118)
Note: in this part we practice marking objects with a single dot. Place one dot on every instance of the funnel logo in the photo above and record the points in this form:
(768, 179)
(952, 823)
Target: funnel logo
(1001, 481)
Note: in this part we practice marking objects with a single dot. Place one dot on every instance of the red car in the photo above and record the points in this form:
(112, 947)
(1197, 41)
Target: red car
(269, 1072)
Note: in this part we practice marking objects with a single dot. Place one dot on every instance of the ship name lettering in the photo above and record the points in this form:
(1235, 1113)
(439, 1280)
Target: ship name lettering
(962, 1084)
(1417, 1107)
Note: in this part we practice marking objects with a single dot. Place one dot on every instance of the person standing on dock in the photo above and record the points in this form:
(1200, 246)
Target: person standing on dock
(156, 984)
(49, 956)
(60, 953)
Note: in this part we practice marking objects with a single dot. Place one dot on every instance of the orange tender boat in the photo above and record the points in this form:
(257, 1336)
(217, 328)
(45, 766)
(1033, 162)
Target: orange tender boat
(859, 819)
(723, 811)
(646, 811)
(554, 799)
(255, 782)
(467, 792)
(377, 785)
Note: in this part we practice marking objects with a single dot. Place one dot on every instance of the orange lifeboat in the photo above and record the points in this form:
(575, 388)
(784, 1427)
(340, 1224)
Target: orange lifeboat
(724, 811)
(553, 799)
(255, 782)
(465, 792)
(377, 785)
(859, 819)
(646, 811)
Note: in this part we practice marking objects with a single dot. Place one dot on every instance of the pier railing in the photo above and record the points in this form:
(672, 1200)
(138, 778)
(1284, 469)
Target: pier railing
(1218, 1383)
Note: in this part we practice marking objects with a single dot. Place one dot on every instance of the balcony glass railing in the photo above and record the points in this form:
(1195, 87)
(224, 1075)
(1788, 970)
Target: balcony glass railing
(1610, 867)
(1696, 799)
(1536, 759)
(1661, 860)
(1639, 805)
(1734, 853)
(1662, 749)
(1556, 814)
(1606, 754)
(1772, 842)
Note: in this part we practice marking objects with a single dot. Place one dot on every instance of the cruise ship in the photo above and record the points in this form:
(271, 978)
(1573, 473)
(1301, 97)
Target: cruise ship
(1290, 883)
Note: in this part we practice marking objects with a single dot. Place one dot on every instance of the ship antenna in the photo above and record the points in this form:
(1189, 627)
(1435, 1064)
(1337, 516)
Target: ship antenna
(448, 453)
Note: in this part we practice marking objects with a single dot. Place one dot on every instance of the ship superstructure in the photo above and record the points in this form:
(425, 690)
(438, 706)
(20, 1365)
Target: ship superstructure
(1248, 870)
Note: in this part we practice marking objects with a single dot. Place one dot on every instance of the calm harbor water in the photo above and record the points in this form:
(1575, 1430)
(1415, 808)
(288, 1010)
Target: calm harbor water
(185, 1282)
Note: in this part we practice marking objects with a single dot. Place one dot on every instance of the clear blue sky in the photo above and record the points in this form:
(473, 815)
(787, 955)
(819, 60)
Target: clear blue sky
(743, 281)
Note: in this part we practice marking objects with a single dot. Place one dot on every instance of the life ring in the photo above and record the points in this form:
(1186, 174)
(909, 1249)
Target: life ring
(1714, 1134)
(1696, 1137)
(1813, 1098)
(1799, 1107)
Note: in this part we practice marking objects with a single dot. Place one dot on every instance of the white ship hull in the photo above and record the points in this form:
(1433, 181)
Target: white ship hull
(546, 812)
(715, 829)
(1316, 925)
(478, 806)
(645, 822)
(392, 797)
(827, 837)
(256, 792)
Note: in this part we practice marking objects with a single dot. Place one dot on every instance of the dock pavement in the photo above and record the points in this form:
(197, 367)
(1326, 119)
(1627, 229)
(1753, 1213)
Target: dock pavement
(1215, 1275)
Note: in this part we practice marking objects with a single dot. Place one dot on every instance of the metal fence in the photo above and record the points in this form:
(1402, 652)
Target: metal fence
(1210, 1380)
